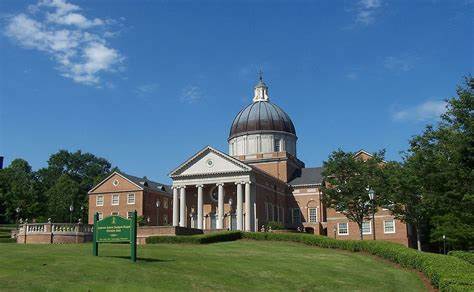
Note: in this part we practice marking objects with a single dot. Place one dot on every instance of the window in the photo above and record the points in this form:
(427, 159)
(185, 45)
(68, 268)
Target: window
(99, 201)
(115, 200)
(115, 213)
(165, 203)
(131, 199)
(313, 215)
(343, 228)
(276, 145)
(100, 215)
(165, 219)
(366, 227)
(296, 219)
(129, 215)
(389, 226)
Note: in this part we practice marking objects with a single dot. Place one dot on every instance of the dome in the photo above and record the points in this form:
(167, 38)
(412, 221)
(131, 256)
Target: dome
(261, 116)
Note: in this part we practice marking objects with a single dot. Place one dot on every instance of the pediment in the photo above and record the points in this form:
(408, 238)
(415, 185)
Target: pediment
(210, 161)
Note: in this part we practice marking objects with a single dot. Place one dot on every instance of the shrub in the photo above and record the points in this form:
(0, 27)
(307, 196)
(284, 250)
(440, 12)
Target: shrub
(464, 255)
(275, 225)
(197, 239)
(446, 273)
(7, 240)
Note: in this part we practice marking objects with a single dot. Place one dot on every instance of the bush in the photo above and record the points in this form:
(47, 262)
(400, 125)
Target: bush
(446, 273)
(275, 225)
(464, 255)
(197, 239)
(7, 240)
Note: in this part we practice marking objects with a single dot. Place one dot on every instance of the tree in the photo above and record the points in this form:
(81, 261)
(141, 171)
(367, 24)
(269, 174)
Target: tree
(64, 192)
(347, 180)
(444, 157)
(405, 196)
(74, 170)
(18, 189)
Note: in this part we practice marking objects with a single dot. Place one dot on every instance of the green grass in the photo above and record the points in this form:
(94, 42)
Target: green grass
(235, 266)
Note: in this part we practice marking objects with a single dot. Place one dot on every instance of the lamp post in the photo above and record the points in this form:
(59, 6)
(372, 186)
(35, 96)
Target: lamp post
(444, 244)
(17, 215)
(71, 208)
(82, 213)
(158, 204)
(372, 200)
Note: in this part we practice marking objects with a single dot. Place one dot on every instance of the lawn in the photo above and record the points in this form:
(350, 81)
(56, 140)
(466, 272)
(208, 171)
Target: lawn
(238, 265)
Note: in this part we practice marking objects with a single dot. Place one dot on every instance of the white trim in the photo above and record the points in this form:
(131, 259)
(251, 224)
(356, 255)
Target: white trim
(107, 178)
(338, 229)
(134, 199)
(112, 200)
(370, 227)
(384, 227)
(309, 214)
(97, 199)
(101, 216)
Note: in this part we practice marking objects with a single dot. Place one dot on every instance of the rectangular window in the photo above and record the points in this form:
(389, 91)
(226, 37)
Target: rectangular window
(389, 226)
(343, 228)
(129, 215)
(100, 215)
(115, 213)
(99, 201)
(296, 218)
(115, 200)
(276, 145)
(165, 219)
(366, 227)
(313, 215)
(131, 199)
(165, 203)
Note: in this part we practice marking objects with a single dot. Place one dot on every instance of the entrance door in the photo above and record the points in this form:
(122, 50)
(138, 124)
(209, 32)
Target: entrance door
(213, 221)
(233, 222)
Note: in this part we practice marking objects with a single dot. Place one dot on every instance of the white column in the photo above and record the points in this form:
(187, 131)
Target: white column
(182, 208)
(199, 207)
(175, 207)
(239, 206)
(248, 216)
(220, 207)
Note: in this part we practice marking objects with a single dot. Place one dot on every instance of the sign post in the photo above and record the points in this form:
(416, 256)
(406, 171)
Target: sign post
(115, 229)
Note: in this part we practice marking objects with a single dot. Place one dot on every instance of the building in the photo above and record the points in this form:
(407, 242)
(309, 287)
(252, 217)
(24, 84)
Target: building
(262, 180)
(121, 194)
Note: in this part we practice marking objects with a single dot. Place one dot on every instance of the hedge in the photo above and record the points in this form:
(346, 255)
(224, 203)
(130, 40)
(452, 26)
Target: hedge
(464, 255)
(7, 240)
(445, 272)
(197, 239)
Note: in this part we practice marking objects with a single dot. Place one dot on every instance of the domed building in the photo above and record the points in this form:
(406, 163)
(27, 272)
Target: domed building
(259, 183)
(252, 184)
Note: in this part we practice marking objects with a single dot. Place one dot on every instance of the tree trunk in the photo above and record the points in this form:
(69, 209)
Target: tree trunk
(418, 239)
(361, 233)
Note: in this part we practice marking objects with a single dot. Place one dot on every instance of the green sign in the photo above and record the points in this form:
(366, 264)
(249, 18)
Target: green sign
(115, 229)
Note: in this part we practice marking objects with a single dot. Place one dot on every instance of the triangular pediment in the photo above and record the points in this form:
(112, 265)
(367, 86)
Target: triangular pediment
(210, 161)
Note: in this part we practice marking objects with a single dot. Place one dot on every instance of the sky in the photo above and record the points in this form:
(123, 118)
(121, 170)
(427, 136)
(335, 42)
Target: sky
(147, 84)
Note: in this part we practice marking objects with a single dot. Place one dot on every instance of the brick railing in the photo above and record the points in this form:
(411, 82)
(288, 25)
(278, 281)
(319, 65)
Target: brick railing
(54, 233)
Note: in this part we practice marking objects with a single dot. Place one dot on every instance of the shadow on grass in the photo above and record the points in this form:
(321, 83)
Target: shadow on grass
(148, 260)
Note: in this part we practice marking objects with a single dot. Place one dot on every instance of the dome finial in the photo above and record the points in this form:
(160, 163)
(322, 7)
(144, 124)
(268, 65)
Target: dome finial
(261, 89)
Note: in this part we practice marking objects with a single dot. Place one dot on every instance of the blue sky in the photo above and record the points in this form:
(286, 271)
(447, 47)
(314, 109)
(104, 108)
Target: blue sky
(146, 84)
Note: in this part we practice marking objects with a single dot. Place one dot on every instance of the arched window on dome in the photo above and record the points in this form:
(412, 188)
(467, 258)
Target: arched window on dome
(276, 145)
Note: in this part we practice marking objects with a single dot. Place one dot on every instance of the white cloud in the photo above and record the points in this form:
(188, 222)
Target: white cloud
(58, 29)
(399, 63)
(191, 94)
(146, 89)
(428, 110)
(366, 11)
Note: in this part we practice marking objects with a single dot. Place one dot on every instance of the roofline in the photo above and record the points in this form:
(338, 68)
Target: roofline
(260, 132)
(208, 147)
(108, 177)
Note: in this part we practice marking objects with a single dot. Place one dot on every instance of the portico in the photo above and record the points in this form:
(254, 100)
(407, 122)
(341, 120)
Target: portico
(214, 191)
